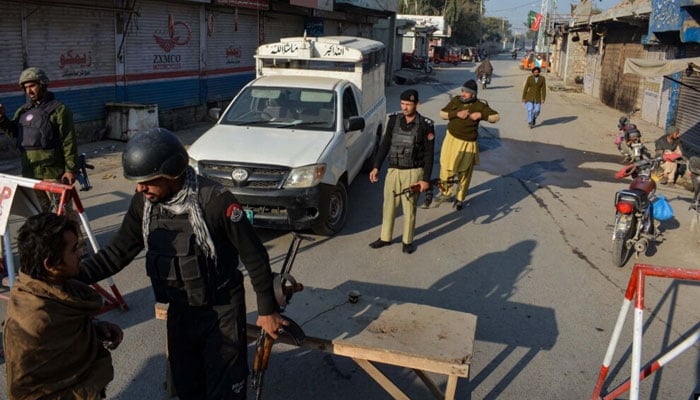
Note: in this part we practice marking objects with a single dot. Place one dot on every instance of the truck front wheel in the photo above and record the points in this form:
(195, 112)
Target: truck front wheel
(333, 210)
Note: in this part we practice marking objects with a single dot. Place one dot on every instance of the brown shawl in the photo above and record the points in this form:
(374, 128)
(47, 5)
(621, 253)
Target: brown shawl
(51, 346)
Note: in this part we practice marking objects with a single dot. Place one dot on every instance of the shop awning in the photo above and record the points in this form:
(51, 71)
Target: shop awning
(652, 68)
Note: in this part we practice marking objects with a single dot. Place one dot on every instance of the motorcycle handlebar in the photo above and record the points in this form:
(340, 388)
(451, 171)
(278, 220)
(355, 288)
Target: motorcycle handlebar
(629, 169)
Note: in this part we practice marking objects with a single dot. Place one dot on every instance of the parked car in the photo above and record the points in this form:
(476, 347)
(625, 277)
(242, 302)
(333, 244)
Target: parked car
(532, 60)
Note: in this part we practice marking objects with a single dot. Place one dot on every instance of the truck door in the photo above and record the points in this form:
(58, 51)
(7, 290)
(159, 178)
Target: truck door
(353, 139)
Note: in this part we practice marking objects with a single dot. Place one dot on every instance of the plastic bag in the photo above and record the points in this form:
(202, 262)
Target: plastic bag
(662, 210)
(618, 139)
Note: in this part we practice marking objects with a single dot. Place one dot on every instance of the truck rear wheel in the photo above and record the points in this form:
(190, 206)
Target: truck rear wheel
(333, 210)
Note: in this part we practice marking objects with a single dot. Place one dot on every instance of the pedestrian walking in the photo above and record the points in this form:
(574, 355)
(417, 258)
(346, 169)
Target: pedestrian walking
(409, 144)
(193, 231)
(45, 134)
(460, 150)
(534, 94)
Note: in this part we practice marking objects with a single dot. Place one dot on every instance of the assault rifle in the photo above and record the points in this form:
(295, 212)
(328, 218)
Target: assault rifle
(82, 176)
(284, 287)
(437, 182)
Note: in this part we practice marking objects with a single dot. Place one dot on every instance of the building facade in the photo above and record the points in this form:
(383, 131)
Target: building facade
(183, 56)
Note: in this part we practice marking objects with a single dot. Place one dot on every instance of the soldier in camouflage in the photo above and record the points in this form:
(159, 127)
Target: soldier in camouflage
(45, 133)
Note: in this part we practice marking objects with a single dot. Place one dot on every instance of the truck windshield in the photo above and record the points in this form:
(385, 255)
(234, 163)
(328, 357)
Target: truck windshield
(284, 108)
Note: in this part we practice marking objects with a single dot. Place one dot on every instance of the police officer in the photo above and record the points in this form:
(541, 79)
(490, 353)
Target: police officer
(409, 142)
(45, 133)
(193, 231)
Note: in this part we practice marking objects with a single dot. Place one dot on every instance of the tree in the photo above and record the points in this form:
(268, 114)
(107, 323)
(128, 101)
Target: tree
(495, 29)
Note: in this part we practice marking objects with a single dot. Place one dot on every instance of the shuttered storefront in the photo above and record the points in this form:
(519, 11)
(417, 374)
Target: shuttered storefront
(278, 25)
(617, 90)
(11, 31)
(74, 44)
(231, 43)
(655, 92)
(688, 112)
(591, 79)
(162, 55)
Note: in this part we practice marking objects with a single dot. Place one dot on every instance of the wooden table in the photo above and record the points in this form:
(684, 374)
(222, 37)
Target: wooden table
(377, 330)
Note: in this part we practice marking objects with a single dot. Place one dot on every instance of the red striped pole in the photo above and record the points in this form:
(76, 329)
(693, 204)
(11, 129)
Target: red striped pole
(635, 287)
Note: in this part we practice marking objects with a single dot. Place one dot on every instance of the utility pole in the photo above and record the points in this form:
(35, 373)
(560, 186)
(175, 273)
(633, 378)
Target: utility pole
(481, 23)
(544, 10)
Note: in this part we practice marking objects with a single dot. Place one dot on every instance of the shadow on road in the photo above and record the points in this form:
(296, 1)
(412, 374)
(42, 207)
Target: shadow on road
(484, 287)
(559, 120)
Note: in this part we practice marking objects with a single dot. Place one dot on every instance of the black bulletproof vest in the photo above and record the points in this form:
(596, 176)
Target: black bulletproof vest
(35, 130)
(403, 152)
(174, 262)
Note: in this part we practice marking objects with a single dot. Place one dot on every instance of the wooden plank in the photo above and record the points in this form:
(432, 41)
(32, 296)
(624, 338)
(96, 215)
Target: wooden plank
(405, 334)
(381, 379)
(420, 337)
(451, 387)
(430, 384)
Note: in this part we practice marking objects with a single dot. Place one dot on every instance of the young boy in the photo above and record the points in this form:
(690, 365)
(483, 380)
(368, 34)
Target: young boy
(54, 349)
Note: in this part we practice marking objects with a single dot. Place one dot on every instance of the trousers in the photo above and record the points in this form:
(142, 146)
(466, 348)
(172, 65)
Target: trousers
(533, 111)
(207, 351)
(396, 181)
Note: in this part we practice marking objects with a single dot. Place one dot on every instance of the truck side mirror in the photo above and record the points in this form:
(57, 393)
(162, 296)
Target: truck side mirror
(354, 124)
(214, 113)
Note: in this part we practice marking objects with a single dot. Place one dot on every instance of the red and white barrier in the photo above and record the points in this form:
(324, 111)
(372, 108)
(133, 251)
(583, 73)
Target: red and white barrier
(17, 197)
(635, 290)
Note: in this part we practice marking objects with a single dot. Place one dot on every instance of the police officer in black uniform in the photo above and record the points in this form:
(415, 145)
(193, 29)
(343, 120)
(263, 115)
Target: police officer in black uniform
(409, 142)
(193, 231)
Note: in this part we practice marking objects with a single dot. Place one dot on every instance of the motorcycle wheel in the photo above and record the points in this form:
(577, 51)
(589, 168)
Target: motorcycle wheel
(620, 251)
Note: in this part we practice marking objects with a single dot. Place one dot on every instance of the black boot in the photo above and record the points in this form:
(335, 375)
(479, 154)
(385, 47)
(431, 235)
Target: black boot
(379, 243)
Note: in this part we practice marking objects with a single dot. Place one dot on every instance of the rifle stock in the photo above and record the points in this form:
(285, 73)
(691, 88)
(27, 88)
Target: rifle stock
(437, 182)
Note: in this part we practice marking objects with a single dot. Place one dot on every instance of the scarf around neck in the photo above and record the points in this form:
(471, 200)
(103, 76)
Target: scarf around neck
(184, 201)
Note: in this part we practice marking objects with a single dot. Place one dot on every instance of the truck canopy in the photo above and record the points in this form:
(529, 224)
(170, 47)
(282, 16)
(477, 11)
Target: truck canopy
(340, 57)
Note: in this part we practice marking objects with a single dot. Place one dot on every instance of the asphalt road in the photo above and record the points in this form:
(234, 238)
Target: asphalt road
(529, 256)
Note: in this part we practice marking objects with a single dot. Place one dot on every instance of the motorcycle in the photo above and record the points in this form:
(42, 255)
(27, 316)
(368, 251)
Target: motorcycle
(484, 79)
(412, 61)
(634, 227)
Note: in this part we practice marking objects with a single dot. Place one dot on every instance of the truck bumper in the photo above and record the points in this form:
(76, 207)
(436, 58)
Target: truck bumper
(294, 209)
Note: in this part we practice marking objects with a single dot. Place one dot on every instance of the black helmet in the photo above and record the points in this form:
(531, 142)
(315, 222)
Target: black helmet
(153, 154)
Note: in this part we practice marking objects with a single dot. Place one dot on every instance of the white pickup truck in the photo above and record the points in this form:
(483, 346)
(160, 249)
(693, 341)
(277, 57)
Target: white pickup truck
(293, 139)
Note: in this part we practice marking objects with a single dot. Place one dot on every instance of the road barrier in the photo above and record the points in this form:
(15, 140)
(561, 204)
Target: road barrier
(18, 197)
(635, 289)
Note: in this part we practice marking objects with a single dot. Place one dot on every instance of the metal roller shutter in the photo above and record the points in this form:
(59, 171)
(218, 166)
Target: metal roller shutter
(11, 31)
(688, 112)
(230, 51)
(162, 55)
(75, 46)
(279, 25)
